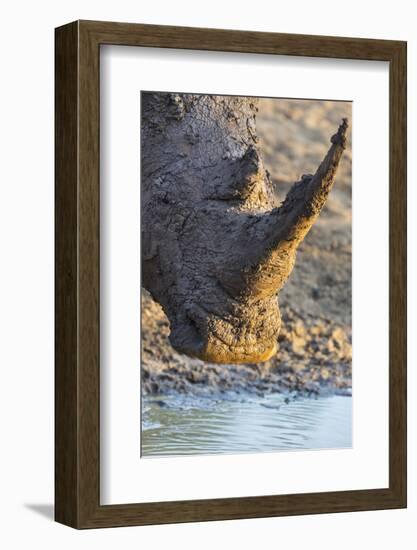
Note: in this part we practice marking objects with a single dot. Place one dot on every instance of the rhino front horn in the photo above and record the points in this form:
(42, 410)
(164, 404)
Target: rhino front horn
(275, 236)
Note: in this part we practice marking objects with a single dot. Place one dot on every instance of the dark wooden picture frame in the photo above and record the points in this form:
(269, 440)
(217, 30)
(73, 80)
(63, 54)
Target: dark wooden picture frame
(77, 374)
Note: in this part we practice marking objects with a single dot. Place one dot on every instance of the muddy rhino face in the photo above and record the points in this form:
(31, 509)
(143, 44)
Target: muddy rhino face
(216, 248)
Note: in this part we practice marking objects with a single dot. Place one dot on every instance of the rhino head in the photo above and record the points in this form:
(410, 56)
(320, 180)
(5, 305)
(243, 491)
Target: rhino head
(216, 246)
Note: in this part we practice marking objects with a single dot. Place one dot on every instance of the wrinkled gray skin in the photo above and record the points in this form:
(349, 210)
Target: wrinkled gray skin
(216, 248)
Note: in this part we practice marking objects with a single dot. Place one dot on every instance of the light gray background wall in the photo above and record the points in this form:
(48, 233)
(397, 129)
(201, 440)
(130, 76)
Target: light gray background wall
(26, 274)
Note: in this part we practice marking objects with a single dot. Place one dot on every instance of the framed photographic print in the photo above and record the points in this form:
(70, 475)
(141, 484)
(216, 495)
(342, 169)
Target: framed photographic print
(230, 274)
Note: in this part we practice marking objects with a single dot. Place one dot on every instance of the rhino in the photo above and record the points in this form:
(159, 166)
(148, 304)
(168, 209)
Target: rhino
(216, 246)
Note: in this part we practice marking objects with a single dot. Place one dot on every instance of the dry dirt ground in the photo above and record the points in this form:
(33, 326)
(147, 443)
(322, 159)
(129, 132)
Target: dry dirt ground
(315, 343)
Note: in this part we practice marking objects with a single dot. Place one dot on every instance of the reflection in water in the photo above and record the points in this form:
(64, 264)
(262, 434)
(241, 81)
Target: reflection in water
(185, 425)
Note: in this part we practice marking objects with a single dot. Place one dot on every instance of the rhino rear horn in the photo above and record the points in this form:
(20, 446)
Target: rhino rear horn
(241, 176)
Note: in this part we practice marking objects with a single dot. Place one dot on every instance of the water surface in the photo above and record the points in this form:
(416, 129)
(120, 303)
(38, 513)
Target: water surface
(187, 425)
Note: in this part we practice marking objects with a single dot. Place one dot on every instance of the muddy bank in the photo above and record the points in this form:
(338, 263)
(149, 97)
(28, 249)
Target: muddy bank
(314, 358)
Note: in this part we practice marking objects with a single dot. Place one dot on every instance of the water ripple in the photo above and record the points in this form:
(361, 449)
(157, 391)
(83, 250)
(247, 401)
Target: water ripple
(189, 425)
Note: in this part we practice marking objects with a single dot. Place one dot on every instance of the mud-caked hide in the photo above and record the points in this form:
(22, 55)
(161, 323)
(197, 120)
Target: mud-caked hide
(216, 247)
